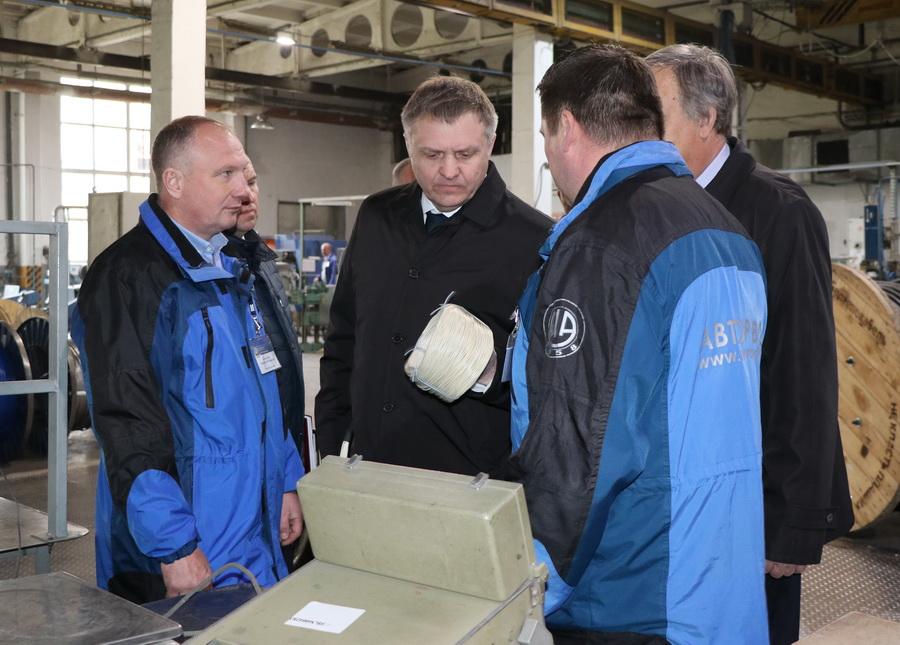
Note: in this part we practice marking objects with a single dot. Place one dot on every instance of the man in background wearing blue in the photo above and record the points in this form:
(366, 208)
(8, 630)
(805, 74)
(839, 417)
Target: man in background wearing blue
(329, 271)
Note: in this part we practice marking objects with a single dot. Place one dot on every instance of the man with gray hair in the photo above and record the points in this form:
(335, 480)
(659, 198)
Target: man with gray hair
(455, 229)
(806, 497)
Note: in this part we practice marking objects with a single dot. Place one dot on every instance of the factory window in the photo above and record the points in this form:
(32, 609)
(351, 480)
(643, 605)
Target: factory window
(105, 147)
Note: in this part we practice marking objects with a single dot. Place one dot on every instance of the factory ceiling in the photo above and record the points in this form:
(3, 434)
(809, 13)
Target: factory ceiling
(360, 58)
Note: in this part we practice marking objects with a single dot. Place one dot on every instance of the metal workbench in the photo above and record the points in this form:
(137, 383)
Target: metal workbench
(60, 609)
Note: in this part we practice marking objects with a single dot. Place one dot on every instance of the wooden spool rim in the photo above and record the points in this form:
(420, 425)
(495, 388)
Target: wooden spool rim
(867, 326)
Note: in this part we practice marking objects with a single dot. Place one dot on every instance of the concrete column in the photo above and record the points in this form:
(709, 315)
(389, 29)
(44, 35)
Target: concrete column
(178, 58)
(532, 56)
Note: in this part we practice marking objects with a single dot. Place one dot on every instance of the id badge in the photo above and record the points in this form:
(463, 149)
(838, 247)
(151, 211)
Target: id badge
(506, 375)
(264, 354)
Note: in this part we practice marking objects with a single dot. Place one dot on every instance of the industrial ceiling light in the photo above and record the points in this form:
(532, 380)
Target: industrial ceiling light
(261, 122)
(284, 39)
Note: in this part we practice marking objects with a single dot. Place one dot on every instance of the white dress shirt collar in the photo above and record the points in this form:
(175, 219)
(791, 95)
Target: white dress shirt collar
(428, 207)
(710, 172)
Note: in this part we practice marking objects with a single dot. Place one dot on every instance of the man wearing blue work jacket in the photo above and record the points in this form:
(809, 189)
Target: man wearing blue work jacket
(197, 468)
(635, 375)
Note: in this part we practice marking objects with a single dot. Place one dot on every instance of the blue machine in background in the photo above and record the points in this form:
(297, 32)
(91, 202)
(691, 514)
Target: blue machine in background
(874, 232)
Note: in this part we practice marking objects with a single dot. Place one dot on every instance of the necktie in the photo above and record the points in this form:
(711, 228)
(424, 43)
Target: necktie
(433, 219)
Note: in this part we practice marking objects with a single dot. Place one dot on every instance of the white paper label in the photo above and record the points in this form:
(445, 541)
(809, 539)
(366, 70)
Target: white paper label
(323, 617)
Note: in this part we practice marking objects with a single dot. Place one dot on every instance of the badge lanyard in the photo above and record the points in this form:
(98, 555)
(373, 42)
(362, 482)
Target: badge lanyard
(261, 345)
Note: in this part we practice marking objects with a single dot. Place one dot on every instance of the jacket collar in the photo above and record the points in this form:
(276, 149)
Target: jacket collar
(734, 173)
(251, 248)
(612, 170)
(177, 245)
(481, 208)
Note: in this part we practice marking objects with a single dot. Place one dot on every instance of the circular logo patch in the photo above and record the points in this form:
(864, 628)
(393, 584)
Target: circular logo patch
(563, 328)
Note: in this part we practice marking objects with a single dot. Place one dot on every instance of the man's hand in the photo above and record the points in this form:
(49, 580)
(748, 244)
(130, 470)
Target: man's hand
(782, 570)
(185, 574)
(291, 518)
(487, 376)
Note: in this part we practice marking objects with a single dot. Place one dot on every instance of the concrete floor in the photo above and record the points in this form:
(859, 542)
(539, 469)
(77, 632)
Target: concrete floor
(855, 575)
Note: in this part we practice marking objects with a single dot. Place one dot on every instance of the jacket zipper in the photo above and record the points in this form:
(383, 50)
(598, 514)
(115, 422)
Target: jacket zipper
(210, 394)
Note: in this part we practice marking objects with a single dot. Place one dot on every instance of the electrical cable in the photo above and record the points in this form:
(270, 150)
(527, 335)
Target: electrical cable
(12, 493)
(540, 183)
(206, 583)
(862, 51)
(886, 51)
(451, 353)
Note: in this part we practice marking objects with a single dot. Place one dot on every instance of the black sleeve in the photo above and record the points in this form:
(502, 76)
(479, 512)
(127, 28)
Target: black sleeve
(333, 402)
(118, 320)
(128, 416)
(801, 441)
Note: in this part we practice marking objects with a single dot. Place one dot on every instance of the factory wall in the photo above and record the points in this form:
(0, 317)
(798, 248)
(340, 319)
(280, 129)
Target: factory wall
(842, 196)
(838, 204)
(299, 160)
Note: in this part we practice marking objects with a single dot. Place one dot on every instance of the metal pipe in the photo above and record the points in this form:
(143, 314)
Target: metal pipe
(57, 432)
(865, 165)
(10, 199)
(33, 169)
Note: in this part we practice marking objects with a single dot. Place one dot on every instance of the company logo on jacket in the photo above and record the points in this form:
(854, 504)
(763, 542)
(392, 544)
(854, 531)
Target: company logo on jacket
(732, 341)
(563, 328)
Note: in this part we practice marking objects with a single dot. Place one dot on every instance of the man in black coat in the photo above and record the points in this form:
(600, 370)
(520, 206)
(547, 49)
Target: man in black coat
(458, 230)
(806, 496)
(244, 242)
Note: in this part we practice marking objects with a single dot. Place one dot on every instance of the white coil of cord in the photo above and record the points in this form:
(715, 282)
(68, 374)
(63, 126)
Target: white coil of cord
(452, 352)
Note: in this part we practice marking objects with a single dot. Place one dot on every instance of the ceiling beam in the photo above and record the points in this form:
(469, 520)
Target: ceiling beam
(846, 12)
(142, 63)
(327, 114)
(757, 60)
(73, 55)
(125, 34)
(282, 14)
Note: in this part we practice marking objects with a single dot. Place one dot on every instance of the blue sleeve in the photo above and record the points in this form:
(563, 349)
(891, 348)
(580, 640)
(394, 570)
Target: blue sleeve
(557, 590)
(159, 517)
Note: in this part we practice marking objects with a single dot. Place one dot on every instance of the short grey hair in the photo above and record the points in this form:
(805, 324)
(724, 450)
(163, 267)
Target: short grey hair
(446, 98)
(705, 80)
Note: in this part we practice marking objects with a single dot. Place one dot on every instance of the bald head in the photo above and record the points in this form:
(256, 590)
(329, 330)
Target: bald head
(403, 173)
(172, 145)
(199, 166)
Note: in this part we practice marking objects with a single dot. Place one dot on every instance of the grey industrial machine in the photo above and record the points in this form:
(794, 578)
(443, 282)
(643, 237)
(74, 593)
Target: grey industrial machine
(403, 556)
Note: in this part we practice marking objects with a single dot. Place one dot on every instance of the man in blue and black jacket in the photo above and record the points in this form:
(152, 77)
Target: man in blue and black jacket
(197, 468)
(635, 374)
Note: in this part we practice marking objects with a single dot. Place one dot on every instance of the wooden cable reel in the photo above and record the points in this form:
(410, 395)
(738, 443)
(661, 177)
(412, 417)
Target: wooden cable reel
(10, 312)
(867, 324)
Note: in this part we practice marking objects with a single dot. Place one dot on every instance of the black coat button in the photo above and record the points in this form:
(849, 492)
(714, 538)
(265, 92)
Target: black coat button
(388, 407)
(397, 338)
(414, 273)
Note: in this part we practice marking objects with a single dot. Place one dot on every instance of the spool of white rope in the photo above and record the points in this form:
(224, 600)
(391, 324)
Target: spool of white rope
(450, 355)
